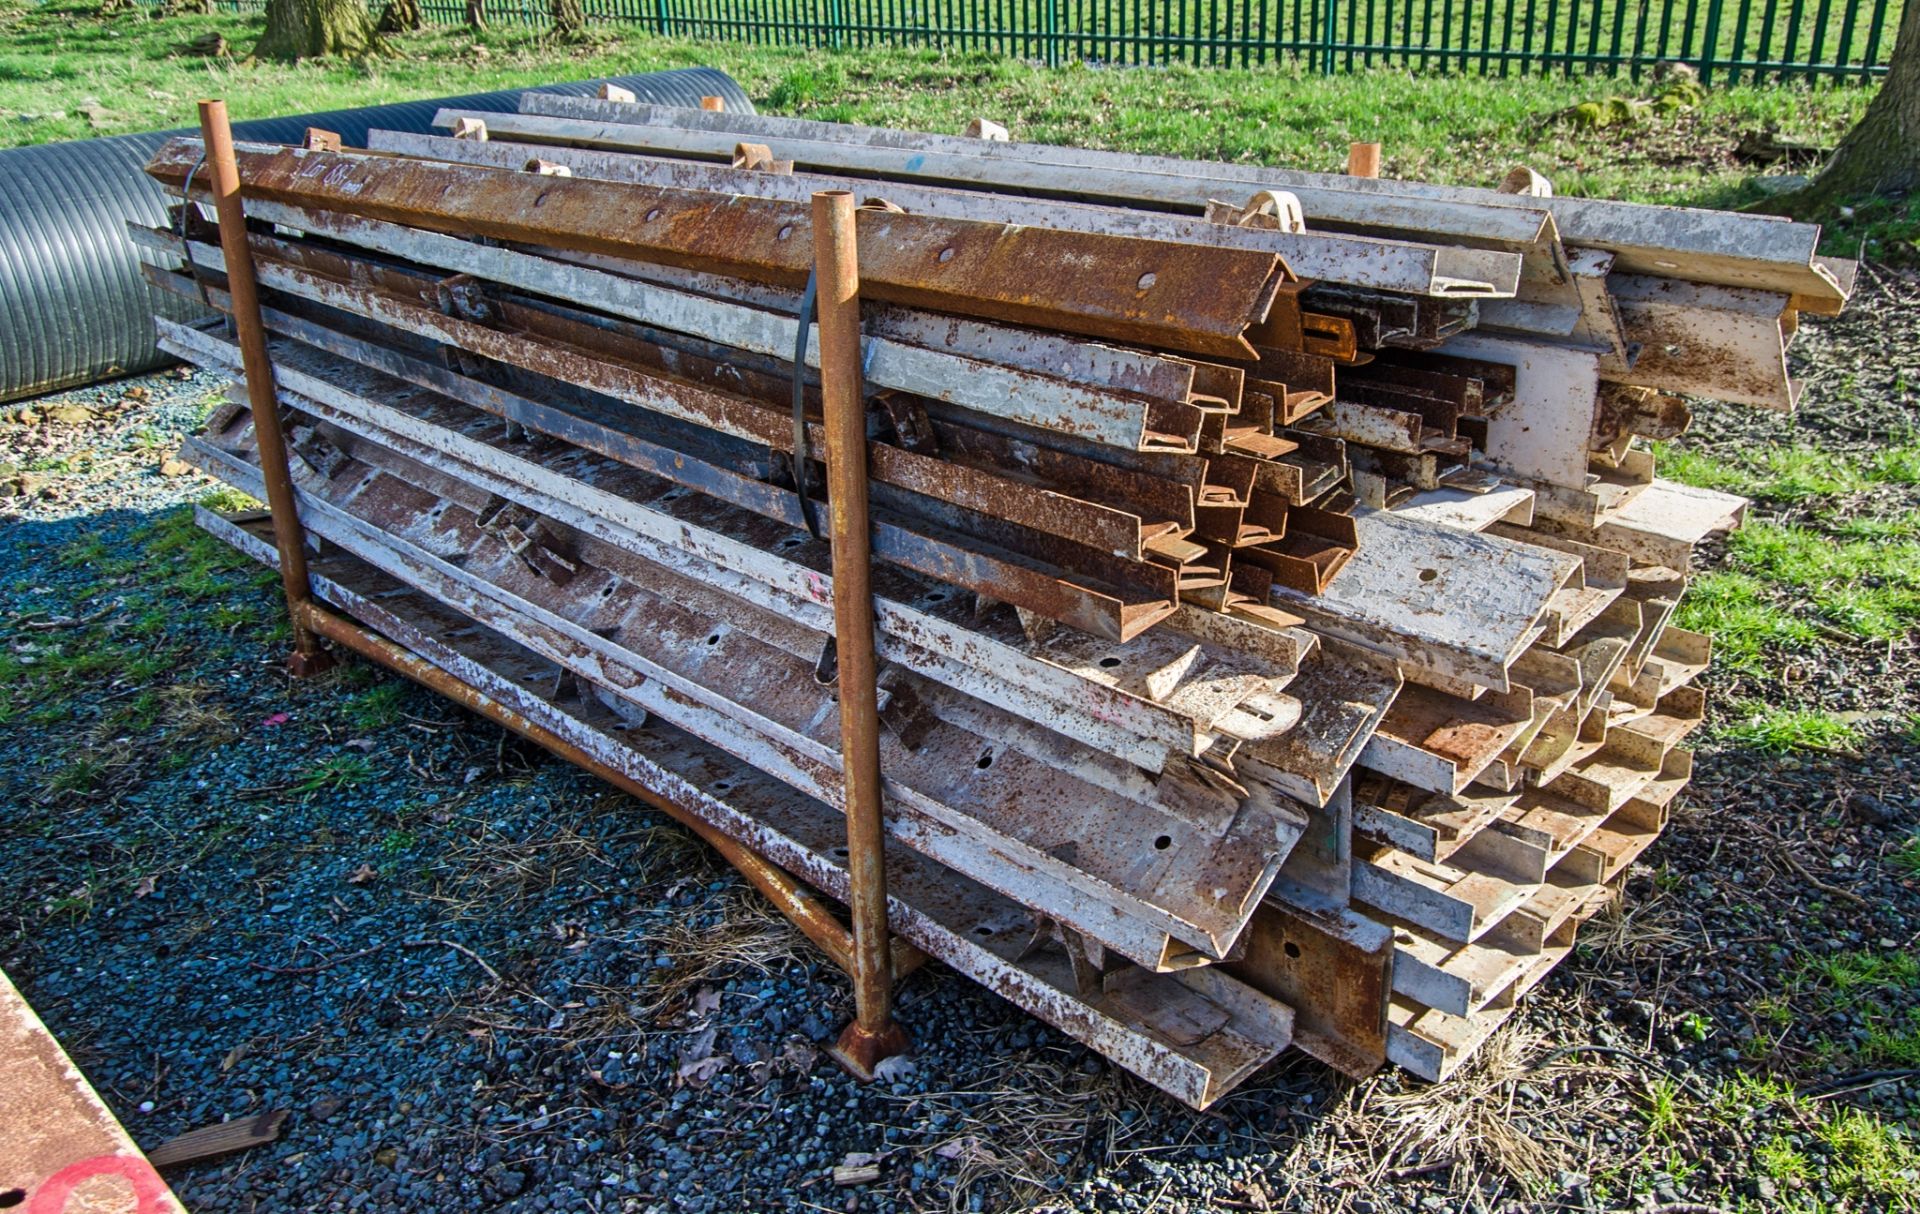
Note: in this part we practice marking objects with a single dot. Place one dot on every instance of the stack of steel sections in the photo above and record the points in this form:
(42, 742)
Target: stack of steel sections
(1272, 588)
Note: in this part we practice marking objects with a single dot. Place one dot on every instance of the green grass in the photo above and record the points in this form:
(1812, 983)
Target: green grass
(1868, 588)
(1733, 609)
(1850, 973)
(375, 707)
(1781, 1160)
(1665, 1112)
(1452, 128)
(339, 772)
(1788, 475)
(1906, 857)
(1870, 1158)
(1778, 730)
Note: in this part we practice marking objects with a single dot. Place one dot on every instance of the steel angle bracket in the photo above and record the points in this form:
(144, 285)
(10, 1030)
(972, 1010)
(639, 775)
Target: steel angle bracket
(1455, 602)
(1145, 1023)
(1334, 966)
(1345, 693)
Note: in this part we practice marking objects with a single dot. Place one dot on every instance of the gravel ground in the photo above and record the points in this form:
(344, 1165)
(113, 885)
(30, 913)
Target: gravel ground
(477, 979)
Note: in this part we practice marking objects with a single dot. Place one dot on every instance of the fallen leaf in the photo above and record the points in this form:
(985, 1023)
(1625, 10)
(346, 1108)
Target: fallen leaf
(278, 718)
(888, 1070)
(363, 874)
(145, 886)
(233, 1057)
(700, 1046)
(705, 1000)
(358, 743)
(699, 1074)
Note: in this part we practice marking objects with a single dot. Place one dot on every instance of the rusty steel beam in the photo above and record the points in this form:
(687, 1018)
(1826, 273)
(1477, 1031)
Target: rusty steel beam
(929, 629)
(722, 396)
(873, 1036)
(1116, 611)
(307, 658)
(1194, 1035)
(1151, 292)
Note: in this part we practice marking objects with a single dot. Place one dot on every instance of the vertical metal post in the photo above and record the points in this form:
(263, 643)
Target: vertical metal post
(1327, 33)
(1710, 42)
(1363, 160)
(873, 1035)
(308, 658)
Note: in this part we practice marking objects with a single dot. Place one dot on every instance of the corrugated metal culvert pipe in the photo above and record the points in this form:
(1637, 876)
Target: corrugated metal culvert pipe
(73, 306)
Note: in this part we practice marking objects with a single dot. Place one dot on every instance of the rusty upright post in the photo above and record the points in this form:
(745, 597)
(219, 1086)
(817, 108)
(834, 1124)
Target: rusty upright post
(1363, 160)
(308, 658)
(873, 1035)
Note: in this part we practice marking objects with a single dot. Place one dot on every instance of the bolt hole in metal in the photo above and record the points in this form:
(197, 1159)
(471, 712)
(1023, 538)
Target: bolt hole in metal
(713, 639)
(938, 596)
(982, 930)
(792, 541)
(723, 786)
(653, 214)
(946, 255)
(785, 231)
(1148, 279)
(1427, 575)
(1109, 662)
(840, 852)
(1291, 949)
(1163, 843)
(985, 760)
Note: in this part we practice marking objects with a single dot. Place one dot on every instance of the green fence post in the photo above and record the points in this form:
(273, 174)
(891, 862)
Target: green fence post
(1327, 31)
(660, 17)
(1050, 30)
(1710, 46)
(833, 24)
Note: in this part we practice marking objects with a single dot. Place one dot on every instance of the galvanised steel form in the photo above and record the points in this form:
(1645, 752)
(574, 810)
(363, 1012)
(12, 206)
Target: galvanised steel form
(1381, 789)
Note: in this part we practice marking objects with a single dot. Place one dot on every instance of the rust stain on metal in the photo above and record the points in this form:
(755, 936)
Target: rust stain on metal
(60, 1147)
(1122, 288)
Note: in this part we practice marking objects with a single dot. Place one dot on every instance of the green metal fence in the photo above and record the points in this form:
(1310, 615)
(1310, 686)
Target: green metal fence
(1727, 41)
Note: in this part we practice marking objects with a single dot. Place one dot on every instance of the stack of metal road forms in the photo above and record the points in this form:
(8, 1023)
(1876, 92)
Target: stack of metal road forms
(1273, 601)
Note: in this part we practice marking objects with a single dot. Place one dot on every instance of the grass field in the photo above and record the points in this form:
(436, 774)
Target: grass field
(66, 72)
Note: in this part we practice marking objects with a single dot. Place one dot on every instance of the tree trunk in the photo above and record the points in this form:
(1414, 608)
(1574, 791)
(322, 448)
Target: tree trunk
(306, 29)
(570, 19)
(400, 17)
(476, 15)
(1882, 154)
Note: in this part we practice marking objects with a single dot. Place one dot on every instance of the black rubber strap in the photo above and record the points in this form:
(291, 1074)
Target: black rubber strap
(801, 459)
(186, 205)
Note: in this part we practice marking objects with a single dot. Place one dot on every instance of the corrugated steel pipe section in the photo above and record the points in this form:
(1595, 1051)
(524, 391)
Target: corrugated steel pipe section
(73, 306)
